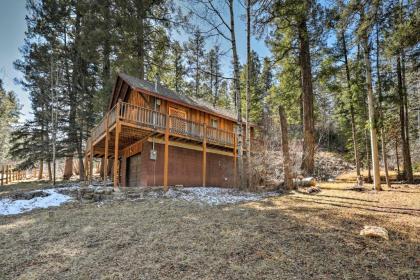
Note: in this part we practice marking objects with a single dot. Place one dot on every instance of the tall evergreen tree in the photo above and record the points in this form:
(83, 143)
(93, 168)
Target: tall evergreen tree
(195, 60)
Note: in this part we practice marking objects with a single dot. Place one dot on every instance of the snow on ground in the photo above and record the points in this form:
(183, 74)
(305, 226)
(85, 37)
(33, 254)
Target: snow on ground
(54, 198)
(216, 196)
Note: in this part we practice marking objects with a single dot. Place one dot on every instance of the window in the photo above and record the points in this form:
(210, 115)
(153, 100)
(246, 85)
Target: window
(155, 104)
(214, 122)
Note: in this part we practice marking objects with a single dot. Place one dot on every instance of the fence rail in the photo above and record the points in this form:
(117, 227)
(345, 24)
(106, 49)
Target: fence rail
(144, 117)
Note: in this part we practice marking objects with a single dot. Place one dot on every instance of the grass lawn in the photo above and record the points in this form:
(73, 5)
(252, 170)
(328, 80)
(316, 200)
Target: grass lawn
(294, 236)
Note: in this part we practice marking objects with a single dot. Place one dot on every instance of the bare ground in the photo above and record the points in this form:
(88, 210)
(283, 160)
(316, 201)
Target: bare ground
(294, 236)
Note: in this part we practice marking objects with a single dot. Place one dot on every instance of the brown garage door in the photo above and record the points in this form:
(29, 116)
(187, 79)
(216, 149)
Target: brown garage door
(133, 171)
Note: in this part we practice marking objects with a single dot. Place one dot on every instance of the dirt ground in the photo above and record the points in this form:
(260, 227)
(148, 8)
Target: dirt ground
(293, 236)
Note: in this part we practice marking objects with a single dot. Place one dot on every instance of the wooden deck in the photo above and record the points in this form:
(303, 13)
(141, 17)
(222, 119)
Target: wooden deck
(127, 124)
(139, 122)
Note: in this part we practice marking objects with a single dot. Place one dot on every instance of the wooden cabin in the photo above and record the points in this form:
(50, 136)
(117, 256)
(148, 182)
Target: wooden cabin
(153, 136)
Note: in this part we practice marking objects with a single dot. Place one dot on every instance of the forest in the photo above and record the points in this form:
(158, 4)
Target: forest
(330, 89)
(346, 72)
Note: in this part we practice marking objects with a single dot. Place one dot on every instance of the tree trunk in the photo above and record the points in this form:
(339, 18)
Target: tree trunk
(408, 172)
(68, 168)
(41, 169)
(379, 87)
(80, 156)
(237, 88)
(352, 118)
(384, 157)
(371, 109)
(410, 177)
(50, 177)
(197, 70)
(248, 94)
(308, 157)
(369, 179)
(287, 169)
(140, 37)
(106, 62)
(397, 158)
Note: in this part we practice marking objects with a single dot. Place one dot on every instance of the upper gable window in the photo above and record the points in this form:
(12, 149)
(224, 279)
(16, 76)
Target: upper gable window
(214, 122)
(156, 102)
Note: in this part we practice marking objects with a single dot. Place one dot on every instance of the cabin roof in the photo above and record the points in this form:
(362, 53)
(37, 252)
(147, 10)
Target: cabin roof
(176, 97)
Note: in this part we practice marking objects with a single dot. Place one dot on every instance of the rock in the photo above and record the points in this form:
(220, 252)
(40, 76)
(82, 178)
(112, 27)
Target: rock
(108, 190)
(135, 195)
(273, 183)
(304, 182)
(99, 191)
(88, 195)
(357, 188)
(28, 195)
(375, 231)
(97, 197)
(315, 189)
(85, 190)
(118, 196)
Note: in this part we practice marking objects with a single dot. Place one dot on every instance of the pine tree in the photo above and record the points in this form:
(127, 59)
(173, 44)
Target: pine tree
(195, 60)
(9, 113)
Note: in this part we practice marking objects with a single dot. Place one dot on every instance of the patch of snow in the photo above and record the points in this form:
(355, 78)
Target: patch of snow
(215, 196)
(54, 198)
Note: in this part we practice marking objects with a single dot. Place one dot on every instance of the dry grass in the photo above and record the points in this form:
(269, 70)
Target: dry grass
(28, 185)
(295, 236)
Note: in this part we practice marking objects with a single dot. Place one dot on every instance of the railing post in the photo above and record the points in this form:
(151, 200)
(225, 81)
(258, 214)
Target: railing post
(204, 164)
(116, 145)
(91, 163)
(119, 110)
(166, 155)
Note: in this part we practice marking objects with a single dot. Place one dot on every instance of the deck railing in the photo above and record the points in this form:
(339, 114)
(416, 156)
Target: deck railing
(185, 127)
(215, 135)
(144, 117)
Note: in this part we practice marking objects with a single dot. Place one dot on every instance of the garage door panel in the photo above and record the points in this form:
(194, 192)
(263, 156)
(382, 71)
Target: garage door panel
(134, 170)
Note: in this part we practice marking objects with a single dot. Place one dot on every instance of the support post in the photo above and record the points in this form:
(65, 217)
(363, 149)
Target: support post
(204, 165)
(116, 146)
(106, 149)
(91, 162)
(166, 155)
(234, 159)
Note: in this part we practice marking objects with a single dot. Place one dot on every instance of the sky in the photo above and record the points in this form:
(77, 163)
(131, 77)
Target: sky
(12, 34)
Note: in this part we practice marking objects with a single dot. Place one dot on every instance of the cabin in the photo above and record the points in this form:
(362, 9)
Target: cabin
(153, 136)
